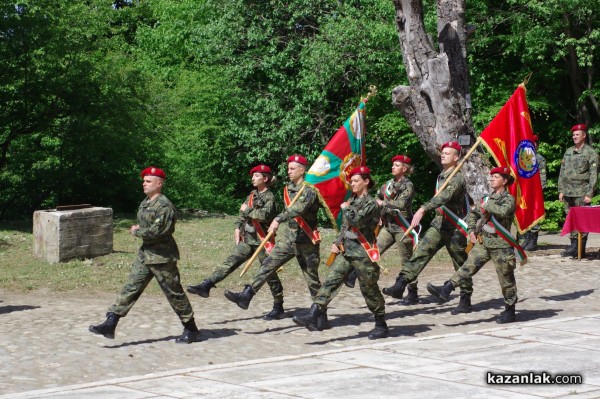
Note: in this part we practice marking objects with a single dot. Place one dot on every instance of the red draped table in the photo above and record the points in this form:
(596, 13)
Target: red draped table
(582, 218)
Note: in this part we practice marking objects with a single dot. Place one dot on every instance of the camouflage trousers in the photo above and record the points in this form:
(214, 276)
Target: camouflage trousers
(241, 253)
(505, 262)
(167, 276)
(308, 258)
(368, 275)
(570, 202)
(429, 245)
(386, 239)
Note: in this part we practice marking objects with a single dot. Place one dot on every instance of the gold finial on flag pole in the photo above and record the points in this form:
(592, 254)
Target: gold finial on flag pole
(526, 79)
(372, 92)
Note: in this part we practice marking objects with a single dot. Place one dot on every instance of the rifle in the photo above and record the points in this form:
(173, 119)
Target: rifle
(338, 243)
(478, 232)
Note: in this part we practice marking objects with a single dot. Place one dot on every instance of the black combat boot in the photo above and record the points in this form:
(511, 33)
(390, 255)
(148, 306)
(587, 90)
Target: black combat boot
(108, 327)
(396, 290)
(202, 289)
(350, 280)
(322, 322)
(526, 241)
(310, 319)
(583, 244)
(190, 333)
(508, 315)
(571, 250)
(441, 293)
(276, 313)
(464, 305)
(381, 329)
(412, 297)
(243, 298)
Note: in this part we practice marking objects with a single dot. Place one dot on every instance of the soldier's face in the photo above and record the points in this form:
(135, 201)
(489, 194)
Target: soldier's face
(498, 181)
(578, 136)
(258, 179)
(449, 156)
(398, 169)
(152, 185)
(295, 171)
(358, 184)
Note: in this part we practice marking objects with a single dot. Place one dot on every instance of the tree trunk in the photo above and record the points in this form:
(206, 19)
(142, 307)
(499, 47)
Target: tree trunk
(437, 102)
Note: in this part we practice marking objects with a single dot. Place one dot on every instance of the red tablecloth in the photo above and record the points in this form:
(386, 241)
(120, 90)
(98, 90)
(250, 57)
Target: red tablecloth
(582, 218)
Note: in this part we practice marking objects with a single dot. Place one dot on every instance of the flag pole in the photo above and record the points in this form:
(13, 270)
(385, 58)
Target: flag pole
(269, 235)
(454, 172)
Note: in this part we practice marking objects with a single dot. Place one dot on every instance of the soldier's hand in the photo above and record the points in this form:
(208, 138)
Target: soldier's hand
(243, 207)
(237, 236)
(335, 249)
(587, 200)
(417, 217)
(134, 228)
(379, 202)
(274, 226)
(344, 204)
(560, 196)
(473, 238)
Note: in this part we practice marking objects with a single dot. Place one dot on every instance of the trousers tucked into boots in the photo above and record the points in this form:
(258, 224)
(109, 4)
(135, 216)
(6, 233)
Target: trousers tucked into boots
(108, 327)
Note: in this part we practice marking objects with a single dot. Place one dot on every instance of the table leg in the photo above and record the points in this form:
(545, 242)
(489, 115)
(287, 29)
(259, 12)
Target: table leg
(578, 245)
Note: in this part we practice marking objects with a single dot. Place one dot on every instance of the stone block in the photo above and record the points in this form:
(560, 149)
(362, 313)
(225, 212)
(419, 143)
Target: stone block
(62, 235)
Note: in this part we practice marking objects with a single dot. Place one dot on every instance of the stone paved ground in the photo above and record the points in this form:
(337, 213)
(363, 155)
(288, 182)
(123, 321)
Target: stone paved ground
(44, 340)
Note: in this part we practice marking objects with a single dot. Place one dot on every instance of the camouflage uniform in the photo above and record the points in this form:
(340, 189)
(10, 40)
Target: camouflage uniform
(541, 161)
(157, 257)
(442, 232)
(502, 207)
(362, 213)
(293, 241)
(577, 178)
(264, 210)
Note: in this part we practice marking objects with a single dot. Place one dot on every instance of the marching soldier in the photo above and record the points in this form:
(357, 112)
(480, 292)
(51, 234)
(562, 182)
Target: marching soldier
(300, 239)
(256, 214)
(491, 224)
(447, 230)
(361, 215)
(531, 237)
(395, 197)
(157, 257)
(577, 180)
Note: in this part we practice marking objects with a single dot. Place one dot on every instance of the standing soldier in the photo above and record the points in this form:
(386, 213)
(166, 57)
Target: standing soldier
(531, 237)
(256, 213)
(496, 213)
(361, 215)
(300, 239)
(157, 257)
(395, 197)
(447, 230)
(577, 180)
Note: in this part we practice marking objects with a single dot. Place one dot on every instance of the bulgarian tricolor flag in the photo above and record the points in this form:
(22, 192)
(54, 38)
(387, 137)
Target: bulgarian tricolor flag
(344, 152)
(509, 138)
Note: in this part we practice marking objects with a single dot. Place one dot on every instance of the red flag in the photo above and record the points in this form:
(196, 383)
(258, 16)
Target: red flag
(509, 138)
(344, 152)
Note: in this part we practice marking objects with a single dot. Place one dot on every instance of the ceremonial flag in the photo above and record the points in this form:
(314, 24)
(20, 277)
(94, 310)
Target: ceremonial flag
(344, 152)
(509, 138)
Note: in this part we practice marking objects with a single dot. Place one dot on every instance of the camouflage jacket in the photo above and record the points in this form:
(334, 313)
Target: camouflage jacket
(362, 213)
(541, 161)
(453, 197)
(578, 172)
(157, 219)
(397, 196)
(306, 206)
(502, 207)
(263, 210)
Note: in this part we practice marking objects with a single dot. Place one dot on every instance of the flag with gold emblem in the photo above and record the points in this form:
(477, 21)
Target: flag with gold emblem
(344, 151)
(509, 138)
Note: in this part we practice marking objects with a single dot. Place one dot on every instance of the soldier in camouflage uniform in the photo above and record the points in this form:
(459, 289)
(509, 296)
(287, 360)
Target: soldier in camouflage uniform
(300, 238)
(497, 209)
(531, 237)
(361, 215)
(395, 197)
(452, 201)
(256, 213)
(157, 257)
(577, 180)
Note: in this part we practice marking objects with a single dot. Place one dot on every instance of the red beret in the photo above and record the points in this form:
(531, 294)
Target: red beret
(298, 159)
(452, 144)
(260, 169)
(536, 138)
(580, 126)
(360, 170)
(153, 171)
(401, 158)
(502, 170)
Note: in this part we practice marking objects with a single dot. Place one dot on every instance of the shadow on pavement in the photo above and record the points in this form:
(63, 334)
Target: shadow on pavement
(145, 341)
(395, 332)
(567, 297)
(528, 315)
(16, 308)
